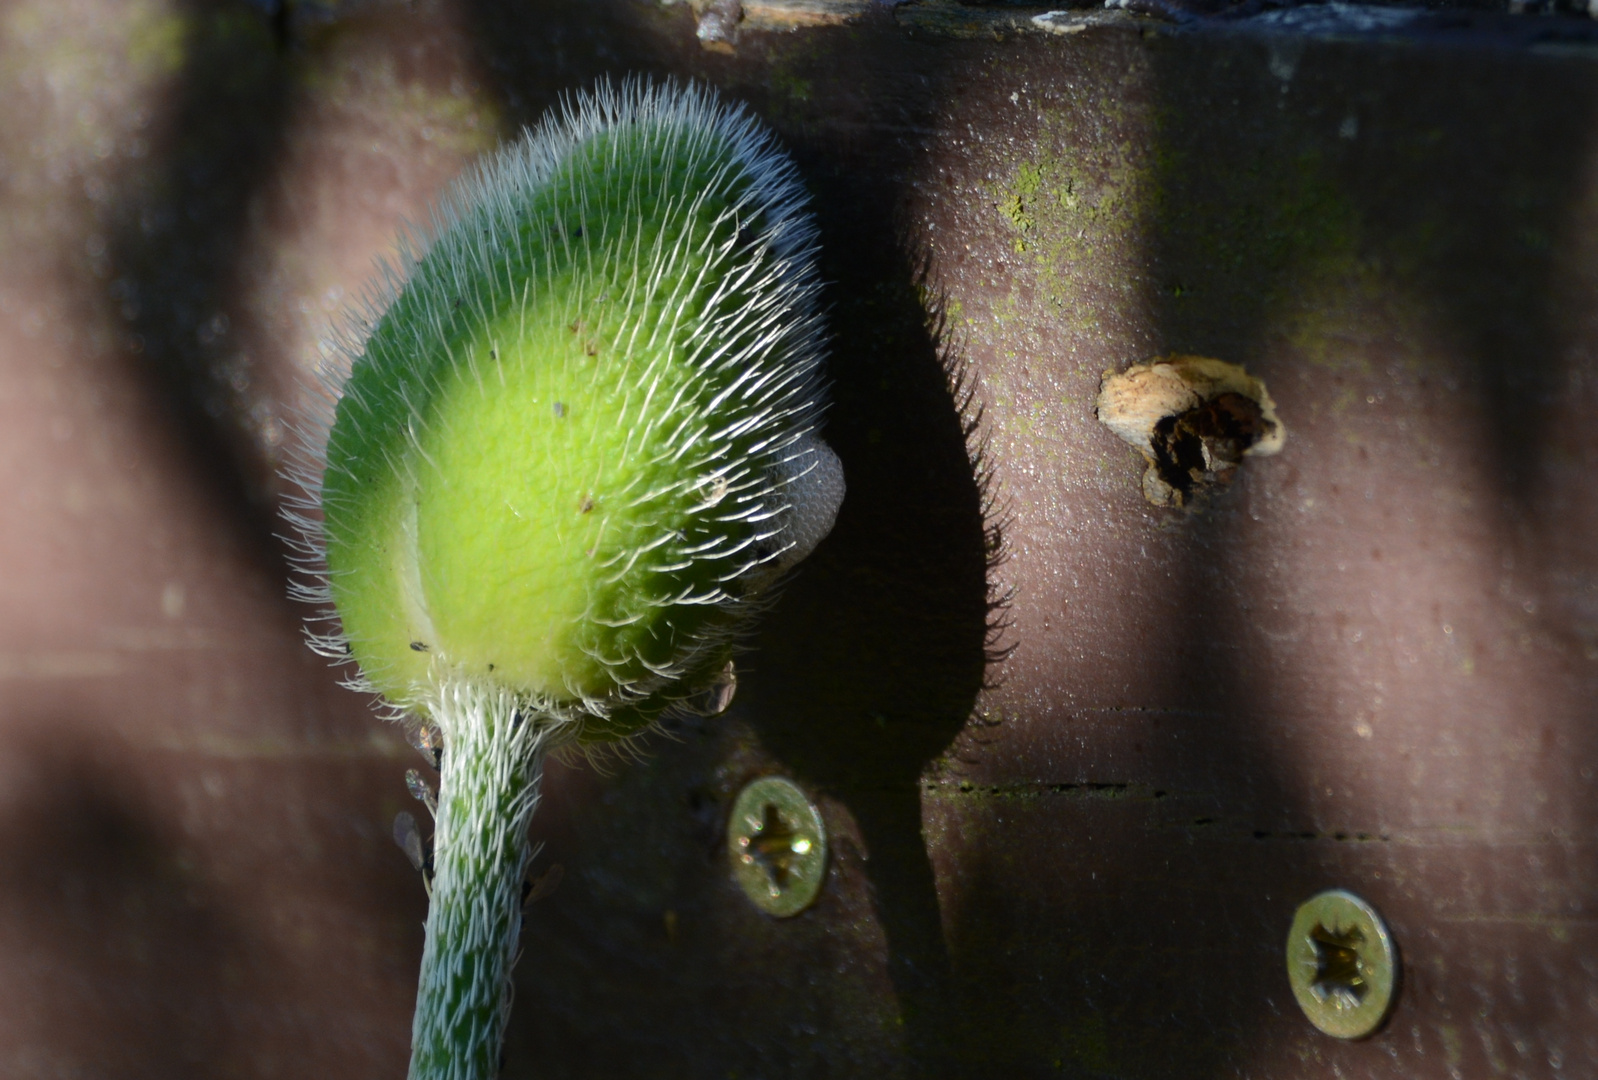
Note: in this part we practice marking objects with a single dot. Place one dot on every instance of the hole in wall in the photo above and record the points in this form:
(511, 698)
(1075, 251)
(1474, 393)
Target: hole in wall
(1194, 418)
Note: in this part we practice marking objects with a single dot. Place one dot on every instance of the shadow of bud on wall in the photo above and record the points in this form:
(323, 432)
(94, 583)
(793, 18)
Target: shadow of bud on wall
(868, 668)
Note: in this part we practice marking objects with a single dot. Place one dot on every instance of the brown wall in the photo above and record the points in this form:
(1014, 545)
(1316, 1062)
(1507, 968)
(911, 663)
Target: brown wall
(1081, 756)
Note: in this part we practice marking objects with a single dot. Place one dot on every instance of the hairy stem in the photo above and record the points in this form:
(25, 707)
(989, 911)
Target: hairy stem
(493, 764)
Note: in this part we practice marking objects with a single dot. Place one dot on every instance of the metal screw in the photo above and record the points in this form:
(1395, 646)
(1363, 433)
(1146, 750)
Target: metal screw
(778, 846)
(1342, 963)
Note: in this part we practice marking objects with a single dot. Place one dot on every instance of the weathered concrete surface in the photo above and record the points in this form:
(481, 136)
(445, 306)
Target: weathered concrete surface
(1072, 827)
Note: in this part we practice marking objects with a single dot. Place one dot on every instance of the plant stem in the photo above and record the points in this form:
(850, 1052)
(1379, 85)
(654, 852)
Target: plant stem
(489, 788)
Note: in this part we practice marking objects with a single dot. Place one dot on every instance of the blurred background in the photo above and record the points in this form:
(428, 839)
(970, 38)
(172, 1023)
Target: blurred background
(1080, 756)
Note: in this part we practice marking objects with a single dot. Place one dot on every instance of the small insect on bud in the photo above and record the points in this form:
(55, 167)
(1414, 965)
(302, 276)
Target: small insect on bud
(574, 444)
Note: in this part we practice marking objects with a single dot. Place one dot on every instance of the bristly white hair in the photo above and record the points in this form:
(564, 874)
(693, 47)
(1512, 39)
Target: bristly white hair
(790, 491)
(760, 489)
(489, 791)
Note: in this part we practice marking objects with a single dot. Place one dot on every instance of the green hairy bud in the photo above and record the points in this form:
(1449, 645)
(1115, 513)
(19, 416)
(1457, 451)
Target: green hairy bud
(573, 445)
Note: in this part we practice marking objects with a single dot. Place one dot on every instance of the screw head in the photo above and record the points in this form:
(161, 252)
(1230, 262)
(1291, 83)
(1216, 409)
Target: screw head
(778, 846)
(1342, 963)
